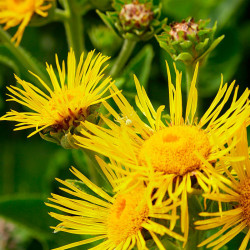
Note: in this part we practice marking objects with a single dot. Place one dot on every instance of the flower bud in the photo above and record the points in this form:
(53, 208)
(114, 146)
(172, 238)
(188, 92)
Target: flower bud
(104, 39)
(189, 41)
(134, 20)
(136, 16)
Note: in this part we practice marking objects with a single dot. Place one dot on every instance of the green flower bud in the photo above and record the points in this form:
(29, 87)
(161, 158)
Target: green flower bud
(134, 20)
(104, 39)
(136, 16)
(189, 41)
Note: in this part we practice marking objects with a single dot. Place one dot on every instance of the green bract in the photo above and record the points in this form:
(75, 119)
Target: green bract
(134, 20)
(64, 137)
(188, 41)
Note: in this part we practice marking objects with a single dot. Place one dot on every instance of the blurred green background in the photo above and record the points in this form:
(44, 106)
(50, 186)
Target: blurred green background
(29, 166)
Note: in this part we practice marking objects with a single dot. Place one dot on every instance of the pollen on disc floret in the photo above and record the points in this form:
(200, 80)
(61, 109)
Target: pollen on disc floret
(172, 150)
(127, 214)
(244, 201)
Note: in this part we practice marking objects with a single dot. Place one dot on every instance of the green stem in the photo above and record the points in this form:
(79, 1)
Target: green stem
(127, 49)
(60, 15)
(22, 56)
(74, 27)
(96, 169)
(189, 77)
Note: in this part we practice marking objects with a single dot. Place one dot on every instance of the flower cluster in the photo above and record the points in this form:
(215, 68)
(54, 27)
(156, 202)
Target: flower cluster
(154, 165)
(168, 174)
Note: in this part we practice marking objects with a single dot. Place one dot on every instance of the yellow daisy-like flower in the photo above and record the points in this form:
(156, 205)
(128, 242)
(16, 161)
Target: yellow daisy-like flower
(67, 102)
(120, 221)
(169, 155)
(235, 191)
(19, 12)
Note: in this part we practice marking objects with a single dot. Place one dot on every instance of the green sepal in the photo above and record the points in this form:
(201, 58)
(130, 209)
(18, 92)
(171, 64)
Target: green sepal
(51, 137)
(201, 46)
(186, 45)
(212, 47)
(67, 141)
(107, 20)
(185, 57)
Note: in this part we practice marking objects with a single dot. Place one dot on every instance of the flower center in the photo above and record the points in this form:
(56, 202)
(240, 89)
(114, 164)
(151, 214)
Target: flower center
(127, 214)
(245, 200)
(66, 110)
(172, 150)
(183, 29)
(136, 15)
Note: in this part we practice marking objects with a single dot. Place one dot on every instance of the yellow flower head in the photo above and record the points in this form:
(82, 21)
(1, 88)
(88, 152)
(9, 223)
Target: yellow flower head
(235, 192)
(69, 97)
(171, 153)
(117, 220)
(19, 12)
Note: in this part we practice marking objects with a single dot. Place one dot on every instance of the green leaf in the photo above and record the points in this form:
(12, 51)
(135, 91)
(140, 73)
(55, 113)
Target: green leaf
(29, 212)
(7, 59)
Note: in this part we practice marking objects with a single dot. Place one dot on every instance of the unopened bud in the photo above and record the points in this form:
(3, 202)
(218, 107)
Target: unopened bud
(136, 15)
(134, 20)
(189, 41)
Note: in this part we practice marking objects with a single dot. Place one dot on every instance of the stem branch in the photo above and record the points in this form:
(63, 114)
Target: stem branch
(127, 49)
(74, 27)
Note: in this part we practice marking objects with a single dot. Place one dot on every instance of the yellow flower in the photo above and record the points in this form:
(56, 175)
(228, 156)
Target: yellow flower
(19, 12)
(117, 220)
(235, 191)
(67, 102)
(170, 154)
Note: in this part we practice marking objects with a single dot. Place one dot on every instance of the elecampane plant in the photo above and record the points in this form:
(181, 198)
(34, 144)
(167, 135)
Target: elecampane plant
(159, 154)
